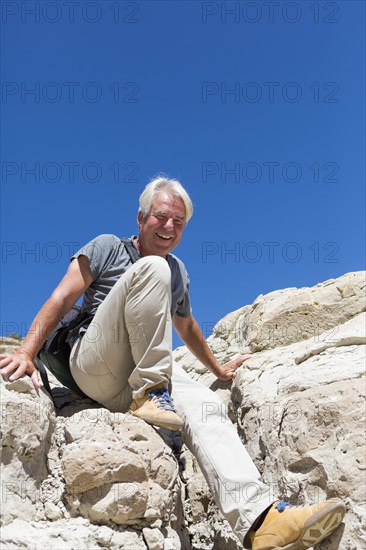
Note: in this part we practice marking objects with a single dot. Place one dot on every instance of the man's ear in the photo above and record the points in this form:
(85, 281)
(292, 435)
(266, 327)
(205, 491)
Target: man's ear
(140, 218)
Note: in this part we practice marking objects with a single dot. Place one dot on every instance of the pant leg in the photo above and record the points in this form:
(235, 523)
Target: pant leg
(209, 434)
(128, 346)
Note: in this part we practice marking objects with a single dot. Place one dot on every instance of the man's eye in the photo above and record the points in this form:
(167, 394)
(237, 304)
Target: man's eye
(163, 218)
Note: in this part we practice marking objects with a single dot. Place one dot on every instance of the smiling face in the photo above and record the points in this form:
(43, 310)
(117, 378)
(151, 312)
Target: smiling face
(161, 230)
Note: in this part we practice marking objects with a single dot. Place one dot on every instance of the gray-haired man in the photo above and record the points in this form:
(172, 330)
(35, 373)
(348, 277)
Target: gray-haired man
(123, 360)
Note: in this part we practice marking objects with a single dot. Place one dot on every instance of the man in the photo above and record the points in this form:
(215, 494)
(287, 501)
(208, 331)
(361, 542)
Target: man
(123, 360)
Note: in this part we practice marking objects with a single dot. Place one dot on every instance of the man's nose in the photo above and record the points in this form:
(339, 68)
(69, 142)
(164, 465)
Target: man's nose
(169, 224)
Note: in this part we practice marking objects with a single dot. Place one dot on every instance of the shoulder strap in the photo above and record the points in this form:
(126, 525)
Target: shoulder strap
(131, 249)
(44, 378)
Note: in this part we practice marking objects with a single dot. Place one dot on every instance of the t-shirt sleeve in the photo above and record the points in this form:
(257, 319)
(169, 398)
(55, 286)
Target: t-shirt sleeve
(184, 308)
(99, 252)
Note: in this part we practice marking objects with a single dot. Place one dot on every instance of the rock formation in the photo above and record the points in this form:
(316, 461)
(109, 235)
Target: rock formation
(84, 478)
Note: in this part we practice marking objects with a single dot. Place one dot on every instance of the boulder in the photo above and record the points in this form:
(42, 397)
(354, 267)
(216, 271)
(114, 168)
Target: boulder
(299, 401)
(84, 477)
(28, 422)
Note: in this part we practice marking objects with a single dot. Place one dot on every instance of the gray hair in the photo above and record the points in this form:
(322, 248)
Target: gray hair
(173, 187)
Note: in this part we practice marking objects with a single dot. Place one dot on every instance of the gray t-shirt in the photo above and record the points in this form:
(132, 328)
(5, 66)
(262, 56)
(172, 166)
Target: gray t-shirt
(109, 259)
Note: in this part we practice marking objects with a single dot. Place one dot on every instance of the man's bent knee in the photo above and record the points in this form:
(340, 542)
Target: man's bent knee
(155, 266)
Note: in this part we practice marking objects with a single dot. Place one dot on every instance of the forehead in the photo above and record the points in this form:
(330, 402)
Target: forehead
(169, 203)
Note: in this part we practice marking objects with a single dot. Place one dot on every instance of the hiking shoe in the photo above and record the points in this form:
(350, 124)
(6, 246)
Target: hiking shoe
(156, 408)
(297, 527)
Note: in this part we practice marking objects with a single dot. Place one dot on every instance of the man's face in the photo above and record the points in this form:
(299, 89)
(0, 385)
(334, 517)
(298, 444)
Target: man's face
(161, 230)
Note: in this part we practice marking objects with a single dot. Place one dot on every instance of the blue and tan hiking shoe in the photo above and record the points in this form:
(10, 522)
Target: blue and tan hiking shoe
(297, 527)
(156, 408)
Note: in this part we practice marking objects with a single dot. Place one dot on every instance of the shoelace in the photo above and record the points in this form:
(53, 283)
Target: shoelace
(162, 399)
(282, 505)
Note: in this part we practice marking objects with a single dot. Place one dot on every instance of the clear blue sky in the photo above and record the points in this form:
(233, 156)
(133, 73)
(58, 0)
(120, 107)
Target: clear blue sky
(258, 110)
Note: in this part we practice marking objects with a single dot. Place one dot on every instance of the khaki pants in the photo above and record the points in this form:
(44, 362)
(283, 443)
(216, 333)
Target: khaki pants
(128, 348)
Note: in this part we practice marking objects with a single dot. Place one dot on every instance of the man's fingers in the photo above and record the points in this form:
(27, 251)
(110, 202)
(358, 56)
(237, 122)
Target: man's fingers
(240, 360)
(8, 369)
(13, 367)
(230, 368)
(245, 357)
(17, 373)
(35, 380)
(5, 360)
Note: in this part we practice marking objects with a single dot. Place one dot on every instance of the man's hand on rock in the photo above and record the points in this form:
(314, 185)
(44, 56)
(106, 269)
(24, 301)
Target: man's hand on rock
(228, 370)
(16, 365)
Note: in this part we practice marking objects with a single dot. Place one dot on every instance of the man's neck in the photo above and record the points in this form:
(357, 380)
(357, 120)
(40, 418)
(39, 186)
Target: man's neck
(137, 244)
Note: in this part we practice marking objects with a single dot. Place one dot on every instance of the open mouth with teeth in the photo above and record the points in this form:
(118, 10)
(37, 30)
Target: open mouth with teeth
(164, 237)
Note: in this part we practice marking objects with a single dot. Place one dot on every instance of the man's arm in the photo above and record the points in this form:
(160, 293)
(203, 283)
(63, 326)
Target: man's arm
(190, 333)
(77, 279)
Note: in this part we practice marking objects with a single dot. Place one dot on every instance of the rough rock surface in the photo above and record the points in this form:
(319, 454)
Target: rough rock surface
(85, 478)
(299, 401)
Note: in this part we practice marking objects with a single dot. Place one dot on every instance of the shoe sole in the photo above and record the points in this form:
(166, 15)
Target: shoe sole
(157, 423)
(318, 527)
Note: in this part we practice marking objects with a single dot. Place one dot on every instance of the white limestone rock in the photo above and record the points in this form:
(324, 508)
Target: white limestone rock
(27, 423)
(89, 478)
(117, 470)
(299, 400)
(154, 538)
(58, 535)
(292, 315)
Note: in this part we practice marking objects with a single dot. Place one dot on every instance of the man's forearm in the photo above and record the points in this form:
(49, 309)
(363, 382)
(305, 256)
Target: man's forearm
(196, 343)
(43, 325)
